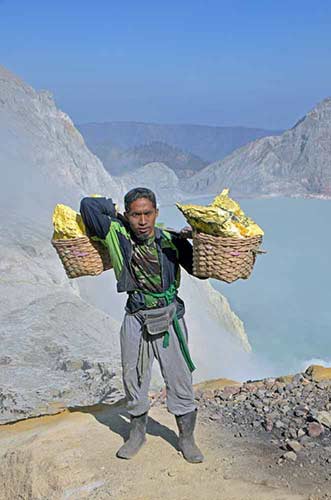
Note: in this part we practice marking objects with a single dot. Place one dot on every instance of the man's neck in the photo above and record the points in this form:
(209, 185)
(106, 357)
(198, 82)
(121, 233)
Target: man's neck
(146, 241)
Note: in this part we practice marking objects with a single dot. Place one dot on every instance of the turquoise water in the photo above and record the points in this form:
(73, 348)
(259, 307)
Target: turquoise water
(286, 303)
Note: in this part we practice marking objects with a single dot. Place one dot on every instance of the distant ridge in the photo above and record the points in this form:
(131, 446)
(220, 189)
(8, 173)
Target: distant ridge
(207, 142)
(119, 162)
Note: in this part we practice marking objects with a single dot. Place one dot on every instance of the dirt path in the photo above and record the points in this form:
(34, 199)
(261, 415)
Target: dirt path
(72, 456)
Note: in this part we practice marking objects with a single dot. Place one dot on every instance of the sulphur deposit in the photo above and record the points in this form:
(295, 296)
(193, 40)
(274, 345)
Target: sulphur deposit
(67, 223)
(223, 217)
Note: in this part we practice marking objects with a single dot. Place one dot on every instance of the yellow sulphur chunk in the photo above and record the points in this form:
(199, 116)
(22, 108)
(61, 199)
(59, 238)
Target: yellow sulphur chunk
(223, 217)
(67, 223)
(209, 219)
(224, 201)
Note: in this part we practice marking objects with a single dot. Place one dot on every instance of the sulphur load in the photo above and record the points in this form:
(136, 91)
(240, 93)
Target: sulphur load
(223, 217)
(67, 223)
(79, 255)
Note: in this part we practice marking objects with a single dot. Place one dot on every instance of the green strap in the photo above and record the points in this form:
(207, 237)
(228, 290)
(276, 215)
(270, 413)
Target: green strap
(169, 295)
(166, 340)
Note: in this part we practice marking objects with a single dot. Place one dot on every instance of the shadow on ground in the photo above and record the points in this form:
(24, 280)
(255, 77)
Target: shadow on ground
(117, 419)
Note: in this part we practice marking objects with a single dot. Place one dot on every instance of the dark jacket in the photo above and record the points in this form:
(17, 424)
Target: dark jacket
(102, 223)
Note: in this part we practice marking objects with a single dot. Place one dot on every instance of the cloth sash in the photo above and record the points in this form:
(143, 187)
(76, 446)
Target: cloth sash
(156, 322)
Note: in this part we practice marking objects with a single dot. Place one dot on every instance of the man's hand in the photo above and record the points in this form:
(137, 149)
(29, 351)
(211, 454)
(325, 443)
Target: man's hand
(186, 232)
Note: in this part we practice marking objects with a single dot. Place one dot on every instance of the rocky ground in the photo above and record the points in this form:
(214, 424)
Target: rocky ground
(262, 440)
(290, 415)
(293, 413)
(72, 456)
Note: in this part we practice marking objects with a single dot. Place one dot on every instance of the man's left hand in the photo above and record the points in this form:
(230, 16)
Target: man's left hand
(186, 232)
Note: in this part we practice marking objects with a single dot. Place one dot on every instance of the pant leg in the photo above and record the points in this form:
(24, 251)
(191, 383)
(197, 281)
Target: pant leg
(176, 374)
(136, 394)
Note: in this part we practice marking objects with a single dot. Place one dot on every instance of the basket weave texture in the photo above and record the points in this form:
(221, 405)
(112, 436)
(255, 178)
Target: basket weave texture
(82, 256)
(225, 259)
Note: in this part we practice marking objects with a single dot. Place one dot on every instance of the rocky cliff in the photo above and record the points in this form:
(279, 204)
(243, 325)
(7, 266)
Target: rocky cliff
(296, 163)
(37, 139)
(57, 350)
(59, 338)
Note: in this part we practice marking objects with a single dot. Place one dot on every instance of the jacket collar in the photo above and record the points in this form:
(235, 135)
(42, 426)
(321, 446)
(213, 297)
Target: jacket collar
(158, 233)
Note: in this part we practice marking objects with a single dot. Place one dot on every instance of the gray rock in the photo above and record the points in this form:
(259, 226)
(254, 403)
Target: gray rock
(293, 433)
(301, 433)
(294, 446)
(324, 417)
(301, 411)
(268, 425)
(257, 404)
(279, 424)
(324, 384)
(314, 429)
(290, 455)
(241, 397)
(297, 378)
(256, 423)
(305, 440)
(260, 393)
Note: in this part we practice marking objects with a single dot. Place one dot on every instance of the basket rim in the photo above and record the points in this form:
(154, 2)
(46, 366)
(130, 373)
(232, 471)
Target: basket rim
(84, 236)
(197, 234)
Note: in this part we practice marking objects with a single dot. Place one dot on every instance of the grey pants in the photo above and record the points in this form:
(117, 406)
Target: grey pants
(176, 374)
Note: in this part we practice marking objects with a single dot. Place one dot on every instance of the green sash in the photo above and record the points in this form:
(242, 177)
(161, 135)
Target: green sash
(169, 295)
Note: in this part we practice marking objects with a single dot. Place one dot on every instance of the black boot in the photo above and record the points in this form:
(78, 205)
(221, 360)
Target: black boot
(136, 439)
(187, 446)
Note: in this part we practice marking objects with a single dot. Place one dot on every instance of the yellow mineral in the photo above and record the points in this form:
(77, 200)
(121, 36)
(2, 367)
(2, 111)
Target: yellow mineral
(67, 223)
(224, 201)
(223, 217)
(209, 219)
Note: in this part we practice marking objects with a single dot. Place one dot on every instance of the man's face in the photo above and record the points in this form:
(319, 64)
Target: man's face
(141, 217)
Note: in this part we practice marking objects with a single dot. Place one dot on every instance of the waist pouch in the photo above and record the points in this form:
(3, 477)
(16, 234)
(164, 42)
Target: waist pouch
(157, 321)
(154, 322)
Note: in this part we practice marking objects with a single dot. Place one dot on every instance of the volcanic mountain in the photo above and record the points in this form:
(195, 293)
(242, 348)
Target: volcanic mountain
(296, 163)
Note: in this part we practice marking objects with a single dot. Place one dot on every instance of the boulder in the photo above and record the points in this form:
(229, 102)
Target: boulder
(319, 373)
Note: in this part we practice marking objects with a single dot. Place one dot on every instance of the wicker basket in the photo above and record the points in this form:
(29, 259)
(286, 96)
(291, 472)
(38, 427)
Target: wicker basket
(82, 256)
(226, 259)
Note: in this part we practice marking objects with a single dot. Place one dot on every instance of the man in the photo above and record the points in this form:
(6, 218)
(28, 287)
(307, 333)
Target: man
(146, 261)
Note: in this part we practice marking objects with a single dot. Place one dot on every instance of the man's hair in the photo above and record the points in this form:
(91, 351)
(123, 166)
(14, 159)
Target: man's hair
(135, 194)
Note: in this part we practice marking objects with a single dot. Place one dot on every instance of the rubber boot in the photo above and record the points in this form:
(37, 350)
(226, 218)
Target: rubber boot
(136, 439)
(186, 425)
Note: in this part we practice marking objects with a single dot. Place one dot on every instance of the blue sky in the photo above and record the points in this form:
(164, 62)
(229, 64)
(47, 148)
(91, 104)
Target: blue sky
(255, 63)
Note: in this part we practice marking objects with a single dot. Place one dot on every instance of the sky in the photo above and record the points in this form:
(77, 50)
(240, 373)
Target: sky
(213, 62)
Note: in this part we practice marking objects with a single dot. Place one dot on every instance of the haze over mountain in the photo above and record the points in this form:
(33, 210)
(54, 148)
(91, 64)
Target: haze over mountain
(159, 178)
(207, 142)
(120, 162)
(59, 337)
(56, 349)
(296, 163)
